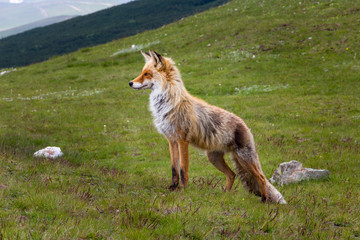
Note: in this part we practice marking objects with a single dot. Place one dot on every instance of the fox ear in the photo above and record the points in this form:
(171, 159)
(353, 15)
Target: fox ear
(157, 57)
(146, 55)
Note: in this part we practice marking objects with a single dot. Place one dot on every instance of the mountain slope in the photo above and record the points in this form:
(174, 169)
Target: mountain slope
(15, 13)
(40, 23)
(103, 26)
(290, 70)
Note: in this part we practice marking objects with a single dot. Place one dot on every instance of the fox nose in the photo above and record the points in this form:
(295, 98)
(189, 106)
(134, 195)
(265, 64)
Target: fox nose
(130, 84)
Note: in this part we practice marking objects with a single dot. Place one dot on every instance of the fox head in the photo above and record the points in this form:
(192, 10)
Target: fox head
(157, 72)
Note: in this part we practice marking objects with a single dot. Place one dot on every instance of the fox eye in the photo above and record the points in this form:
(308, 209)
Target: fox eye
(146, 74)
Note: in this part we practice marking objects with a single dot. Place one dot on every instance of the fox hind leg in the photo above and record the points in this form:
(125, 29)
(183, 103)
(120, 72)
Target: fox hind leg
(260, 179)
(217, 159)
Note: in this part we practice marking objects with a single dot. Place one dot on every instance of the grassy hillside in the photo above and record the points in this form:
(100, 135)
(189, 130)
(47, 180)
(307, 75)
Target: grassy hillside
(100, 27)
(290, 69)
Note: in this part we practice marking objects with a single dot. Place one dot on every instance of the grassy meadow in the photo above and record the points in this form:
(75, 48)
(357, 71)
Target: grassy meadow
(290, 69)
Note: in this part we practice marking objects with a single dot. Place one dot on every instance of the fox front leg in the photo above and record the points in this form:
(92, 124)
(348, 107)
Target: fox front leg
(184, 162)
(175, 164)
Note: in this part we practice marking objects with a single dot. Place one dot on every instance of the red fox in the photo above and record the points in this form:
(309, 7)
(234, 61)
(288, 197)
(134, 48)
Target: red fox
(185, 119)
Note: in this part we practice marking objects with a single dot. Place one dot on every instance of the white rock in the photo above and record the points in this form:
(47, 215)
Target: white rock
(293, 171)
(4, 72)
(7, 71)
(49, 152)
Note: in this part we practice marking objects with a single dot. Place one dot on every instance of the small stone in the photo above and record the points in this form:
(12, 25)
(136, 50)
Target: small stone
(293, 171)
(49, 152)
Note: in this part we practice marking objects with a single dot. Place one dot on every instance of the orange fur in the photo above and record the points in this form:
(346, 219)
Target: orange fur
(185, 119)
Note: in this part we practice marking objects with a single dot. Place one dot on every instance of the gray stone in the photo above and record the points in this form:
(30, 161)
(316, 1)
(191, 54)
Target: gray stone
(293, 171)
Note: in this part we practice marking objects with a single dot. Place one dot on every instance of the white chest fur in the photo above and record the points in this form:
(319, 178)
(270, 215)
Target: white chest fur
(160, 108)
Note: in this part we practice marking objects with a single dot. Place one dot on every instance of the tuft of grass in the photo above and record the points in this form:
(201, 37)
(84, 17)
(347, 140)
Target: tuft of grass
(289, 69)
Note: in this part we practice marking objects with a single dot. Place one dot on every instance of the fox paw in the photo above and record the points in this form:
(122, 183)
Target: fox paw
(264, 198)
(174, 186)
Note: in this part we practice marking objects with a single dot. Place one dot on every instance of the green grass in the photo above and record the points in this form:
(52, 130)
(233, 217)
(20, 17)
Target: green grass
(299, 95)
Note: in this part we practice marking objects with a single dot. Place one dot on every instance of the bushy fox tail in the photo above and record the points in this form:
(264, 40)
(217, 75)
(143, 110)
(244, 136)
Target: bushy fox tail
(274, 195)
(245, 170)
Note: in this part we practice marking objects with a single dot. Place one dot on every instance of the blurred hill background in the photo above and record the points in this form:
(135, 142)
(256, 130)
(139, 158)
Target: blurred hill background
(16, 13)
(100, 27)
